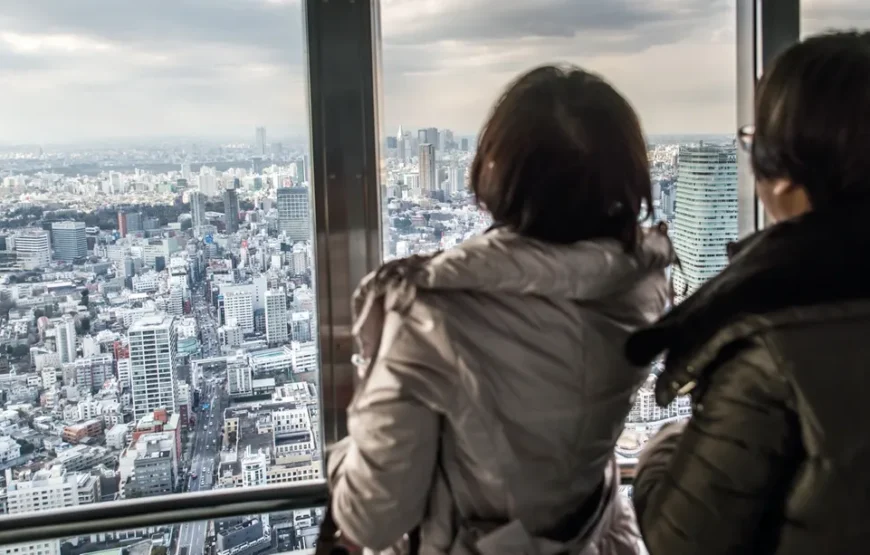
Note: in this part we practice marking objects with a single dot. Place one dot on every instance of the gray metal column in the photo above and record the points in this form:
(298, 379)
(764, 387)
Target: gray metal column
(343, 42)
(764, 29)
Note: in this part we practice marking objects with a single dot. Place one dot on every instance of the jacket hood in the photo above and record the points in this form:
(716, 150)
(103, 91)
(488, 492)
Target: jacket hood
(820, 257)
(503, 262)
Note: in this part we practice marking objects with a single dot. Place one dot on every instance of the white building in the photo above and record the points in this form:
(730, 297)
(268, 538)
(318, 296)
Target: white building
(33, 248)
(239, 382)
(276, 317)
(706, 214)
(9, 449)
(116, 436)
(230, 336)
(239, 306)
(153, 359)
(146, 283)
(66, 338)
(304, 357)
(294, 213)
(175, 305)
(45, 490)
(300, 326)
(271, 361)
(124, 376)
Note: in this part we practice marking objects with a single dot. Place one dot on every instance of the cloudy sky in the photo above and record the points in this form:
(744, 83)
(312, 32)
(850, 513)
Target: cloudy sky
(89, 70)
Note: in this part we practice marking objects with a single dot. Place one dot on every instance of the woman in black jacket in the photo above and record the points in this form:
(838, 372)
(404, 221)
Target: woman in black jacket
(775, 350)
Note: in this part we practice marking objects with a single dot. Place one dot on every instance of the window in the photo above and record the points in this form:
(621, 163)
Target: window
(155, 207)
(447, 63)
(818, 16)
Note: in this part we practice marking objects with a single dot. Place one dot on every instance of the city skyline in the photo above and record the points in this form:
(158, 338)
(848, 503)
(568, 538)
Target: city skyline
(73, 73)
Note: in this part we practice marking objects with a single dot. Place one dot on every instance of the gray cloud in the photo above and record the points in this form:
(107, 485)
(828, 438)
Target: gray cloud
(220, 67)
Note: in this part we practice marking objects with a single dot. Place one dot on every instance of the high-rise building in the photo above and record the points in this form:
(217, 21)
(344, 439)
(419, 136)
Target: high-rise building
(66, 338)
(197, 209)
(400, 145)
(231, 208)
(185, 171)
(456, 178)
(44, 490)
(135, 222)
(208, 182)
(463, 145)
(294, 213)
(261, 141)
(276, 317)
(432, 136)
(706, 213)
(301, 170)
(239, 308)
(428, 175)
(153, 359)
(122, 223)
(33, 248)
(175, 304)
(69, 241)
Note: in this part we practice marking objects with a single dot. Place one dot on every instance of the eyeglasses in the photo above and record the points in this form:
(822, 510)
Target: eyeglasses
(746, 137)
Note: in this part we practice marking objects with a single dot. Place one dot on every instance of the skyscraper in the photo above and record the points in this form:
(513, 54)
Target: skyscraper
(400, 144)
(65, 334)
(185, 171)
(239, 308)
(69, 241)
(231, 208)
(33, 248)
(294, 213)
(122, 223)
(432, 137)
(276, 317)
(706, 213)
(197, 209)
(428, 176)
(261, 141)
(457, 178)
(153, 359)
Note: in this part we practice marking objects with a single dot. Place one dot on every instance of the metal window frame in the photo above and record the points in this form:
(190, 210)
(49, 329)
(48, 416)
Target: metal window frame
(764, 30)
(343, 48)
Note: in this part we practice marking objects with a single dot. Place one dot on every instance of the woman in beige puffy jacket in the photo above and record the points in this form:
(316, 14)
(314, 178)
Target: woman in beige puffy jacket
(495, 385)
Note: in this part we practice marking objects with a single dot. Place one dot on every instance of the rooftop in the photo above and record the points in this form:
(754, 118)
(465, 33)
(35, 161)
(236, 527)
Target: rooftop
(152, 322)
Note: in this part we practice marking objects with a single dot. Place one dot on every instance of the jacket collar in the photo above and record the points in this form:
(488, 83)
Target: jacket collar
(819, 258)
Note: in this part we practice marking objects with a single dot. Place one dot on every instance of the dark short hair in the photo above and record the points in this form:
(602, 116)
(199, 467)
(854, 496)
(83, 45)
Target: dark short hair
(812, 118)
(562, 158)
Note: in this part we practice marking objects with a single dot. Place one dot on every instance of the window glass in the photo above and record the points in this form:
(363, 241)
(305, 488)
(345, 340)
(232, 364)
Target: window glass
(818, 16)
(446, 63)
(157, 331)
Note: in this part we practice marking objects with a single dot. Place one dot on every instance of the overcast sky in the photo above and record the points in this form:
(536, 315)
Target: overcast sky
(86, 70)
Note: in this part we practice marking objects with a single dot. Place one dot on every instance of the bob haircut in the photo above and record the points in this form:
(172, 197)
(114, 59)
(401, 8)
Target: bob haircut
(812, 123)
(562, 159)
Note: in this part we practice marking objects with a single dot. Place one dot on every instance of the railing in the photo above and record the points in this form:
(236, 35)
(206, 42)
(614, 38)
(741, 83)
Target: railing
(627, 470)
(132, 514)
(157, 511)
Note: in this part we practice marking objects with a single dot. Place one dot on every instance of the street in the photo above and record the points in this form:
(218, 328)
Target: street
(205, 454)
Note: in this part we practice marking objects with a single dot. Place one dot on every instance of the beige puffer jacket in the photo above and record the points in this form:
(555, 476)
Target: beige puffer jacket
(495, 395)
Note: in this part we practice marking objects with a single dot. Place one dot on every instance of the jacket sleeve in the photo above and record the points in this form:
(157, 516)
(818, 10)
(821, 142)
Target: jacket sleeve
(707, 489)
(382, 472)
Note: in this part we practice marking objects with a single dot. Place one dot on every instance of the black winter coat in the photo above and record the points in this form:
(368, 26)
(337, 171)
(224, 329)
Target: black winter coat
(775, 352)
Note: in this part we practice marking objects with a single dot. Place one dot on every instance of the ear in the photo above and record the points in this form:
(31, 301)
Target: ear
(783, 186)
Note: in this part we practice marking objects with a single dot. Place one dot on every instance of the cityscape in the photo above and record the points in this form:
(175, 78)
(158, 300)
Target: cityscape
(158, 326)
